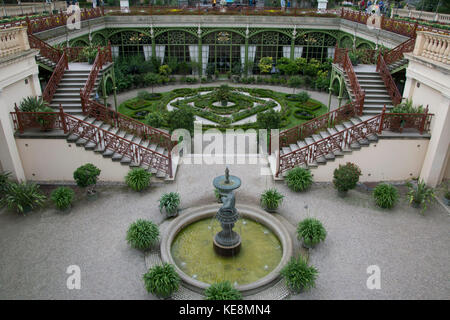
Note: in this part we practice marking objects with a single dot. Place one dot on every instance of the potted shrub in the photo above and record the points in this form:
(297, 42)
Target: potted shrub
(222, 291)
(23, 197)
(62, 197)
(346, 177)
(169, 203)
(311, 232)
(90, 53)
(32, 104)
(138, 179)
(86, 177)
(418, 196)
(47, 121)
(271, 200)
(162, 280)
(298, 275)
(385, 195)
(299, 179)
(142, 234)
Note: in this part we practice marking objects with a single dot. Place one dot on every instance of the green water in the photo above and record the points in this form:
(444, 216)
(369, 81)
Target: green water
(193, 252)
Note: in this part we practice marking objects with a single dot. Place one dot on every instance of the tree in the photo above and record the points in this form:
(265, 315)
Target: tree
(269, 120)
(151, 79)
(287, 66)
(296, 82)
(155, 119)
(181, 118)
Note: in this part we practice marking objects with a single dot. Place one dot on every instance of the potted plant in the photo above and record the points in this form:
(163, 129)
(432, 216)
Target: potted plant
(418, 196)
(271, 200)
(86, 177)
(386, 195)
(62, 197)
(354, 56)
(346, 177)
(299, 179)
(138, 179)
(47, 121)
(32, 104)
(162, 280)
(311, 232)
(169, 203)
(298, 275)
(23, 197)
(90, 53)
(222, 291)
(143, 234)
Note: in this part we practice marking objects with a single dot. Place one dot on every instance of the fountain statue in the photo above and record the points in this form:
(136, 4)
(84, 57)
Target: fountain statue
(227, 242)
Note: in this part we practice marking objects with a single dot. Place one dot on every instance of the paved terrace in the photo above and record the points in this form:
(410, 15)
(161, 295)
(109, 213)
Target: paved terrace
(411, 249)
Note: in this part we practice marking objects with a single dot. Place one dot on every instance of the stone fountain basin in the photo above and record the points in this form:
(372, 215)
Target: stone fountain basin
(192, 215)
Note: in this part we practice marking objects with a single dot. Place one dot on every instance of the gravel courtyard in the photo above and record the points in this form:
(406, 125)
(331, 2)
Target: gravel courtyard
(411, 250)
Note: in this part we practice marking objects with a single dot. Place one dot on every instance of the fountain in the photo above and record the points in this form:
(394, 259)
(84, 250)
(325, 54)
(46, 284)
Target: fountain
(227, 242)
(204, 248)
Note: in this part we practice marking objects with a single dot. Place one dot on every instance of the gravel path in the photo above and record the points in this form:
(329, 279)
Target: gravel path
(410, 249)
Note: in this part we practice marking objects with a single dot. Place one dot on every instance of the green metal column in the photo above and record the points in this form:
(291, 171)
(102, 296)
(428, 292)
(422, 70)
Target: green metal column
(246, 57)
(292, 47)
(200, 58)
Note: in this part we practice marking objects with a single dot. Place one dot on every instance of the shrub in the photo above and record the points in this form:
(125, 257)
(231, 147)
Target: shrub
(222, 291)
(311, 231)
(271, 199)
(22, 197)
(181, 118)
(86, 177)
(169, 202)
(346, 177)
(265, 64)
(4, 182)
(165, 70)
(299, 179)
(269, 120)
(407, 107)
(303, 114)
(385, 195)
(62, 197)
(142, 234)
(144, 95)
(301, 97)
(32, 104)
(156, 119)
(420, 195)
(138, 179)
(298, 275)
(162, 280)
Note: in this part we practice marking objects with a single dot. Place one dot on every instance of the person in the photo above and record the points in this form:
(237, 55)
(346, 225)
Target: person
(282, 3)
(214, 3)
(289, 4)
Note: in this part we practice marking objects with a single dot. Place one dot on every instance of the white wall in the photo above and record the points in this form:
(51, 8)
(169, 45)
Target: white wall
(385, 160)
(56, 160)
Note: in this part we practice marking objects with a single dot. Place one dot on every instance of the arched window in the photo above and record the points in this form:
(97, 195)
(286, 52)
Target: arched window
(221, 51)
(174, 45)
(130, 42)
(316, 45)
(269, 44)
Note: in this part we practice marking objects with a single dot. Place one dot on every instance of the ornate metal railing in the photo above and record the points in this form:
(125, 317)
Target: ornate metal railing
(56, 77)
(343, 139)
(341, 57)
(42, 23)
(391, 87)
(75, 54)
(397, 53)
(103, 139)
(292, 135)
(45, 50)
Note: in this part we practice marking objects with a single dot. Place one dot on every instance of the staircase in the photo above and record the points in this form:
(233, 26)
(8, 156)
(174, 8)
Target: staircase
(45, 62)
(68, 92)
(325, 133)
(376, 94)
(397, 65)
(120, 157)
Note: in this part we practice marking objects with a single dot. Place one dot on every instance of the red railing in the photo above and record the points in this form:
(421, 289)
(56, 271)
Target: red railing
(389, 82)
(56, 77)
(343, 139)
(397, 53)
(103, 139)
(292, 135)
(45, 50)
(341, 57)
(75, 54)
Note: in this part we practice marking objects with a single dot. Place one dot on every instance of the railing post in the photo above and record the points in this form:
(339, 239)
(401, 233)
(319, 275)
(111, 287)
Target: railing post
(424, 120)
(270, 142)
(83, 103)
(380, 128)
(63, 118)
(19, 118)
(170, 163)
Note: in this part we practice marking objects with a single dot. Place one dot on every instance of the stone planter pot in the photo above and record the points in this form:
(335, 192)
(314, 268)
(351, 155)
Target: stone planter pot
(66, 210)
(307, 246)
(415, 204)
(170, 214)
(270, 210)
(93, 195)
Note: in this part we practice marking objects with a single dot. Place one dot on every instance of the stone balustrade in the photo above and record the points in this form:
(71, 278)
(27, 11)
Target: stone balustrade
(433, 46)
(13, 40)
(428, 16)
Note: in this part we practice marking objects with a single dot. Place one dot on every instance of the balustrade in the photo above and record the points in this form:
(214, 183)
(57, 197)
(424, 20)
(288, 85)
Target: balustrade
(433, 46)
(12, 41)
